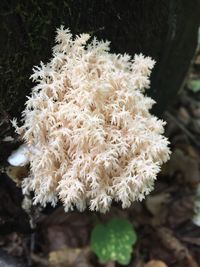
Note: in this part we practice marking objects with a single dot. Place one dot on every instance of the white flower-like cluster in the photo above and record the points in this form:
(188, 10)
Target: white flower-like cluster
(87, 122)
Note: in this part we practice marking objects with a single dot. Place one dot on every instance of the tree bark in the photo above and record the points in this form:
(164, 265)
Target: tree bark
(164, 30)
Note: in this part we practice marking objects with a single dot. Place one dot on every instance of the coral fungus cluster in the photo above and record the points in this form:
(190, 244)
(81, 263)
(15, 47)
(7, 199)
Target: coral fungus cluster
(87, 124)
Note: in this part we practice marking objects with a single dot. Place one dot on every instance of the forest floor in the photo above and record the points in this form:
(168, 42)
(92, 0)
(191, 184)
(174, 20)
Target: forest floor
(167, 222)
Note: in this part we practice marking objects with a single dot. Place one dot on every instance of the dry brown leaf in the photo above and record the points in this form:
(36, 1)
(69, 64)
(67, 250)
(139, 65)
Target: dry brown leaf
(188, 166)
(183, 115)
(17, 174)
(155, 263)
(60, 229)
(156, 203)
(67, 256)
(170, 242)
(181, 211)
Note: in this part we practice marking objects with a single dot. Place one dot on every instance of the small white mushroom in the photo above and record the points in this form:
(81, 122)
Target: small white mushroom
(20, 156)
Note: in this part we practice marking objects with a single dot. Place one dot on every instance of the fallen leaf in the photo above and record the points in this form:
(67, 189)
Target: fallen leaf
(155, 263)
(188, 166)
(183, 115)
(181, 211)
(17, 174)
(67, 256)
(156, 203)
(170, 242)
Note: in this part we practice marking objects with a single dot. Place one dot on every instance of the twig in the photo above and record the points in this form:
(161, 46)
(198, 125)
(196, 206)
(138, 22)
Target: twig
(182, 127)
(40, 260)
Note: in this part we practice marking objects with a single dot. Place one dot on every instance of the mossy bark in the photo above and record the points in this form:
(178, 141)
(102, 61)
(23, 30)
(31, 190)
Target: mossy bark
(165, 30)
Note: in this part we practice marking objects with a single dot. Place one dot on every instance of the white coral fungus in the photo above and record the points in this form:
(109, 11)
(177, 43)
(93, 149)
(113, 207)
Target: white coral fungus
(89, 123)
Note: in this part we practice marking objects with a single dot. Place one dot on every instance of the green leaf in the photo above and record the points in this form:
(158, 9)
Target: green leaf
(114, 241)
(195, 85)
